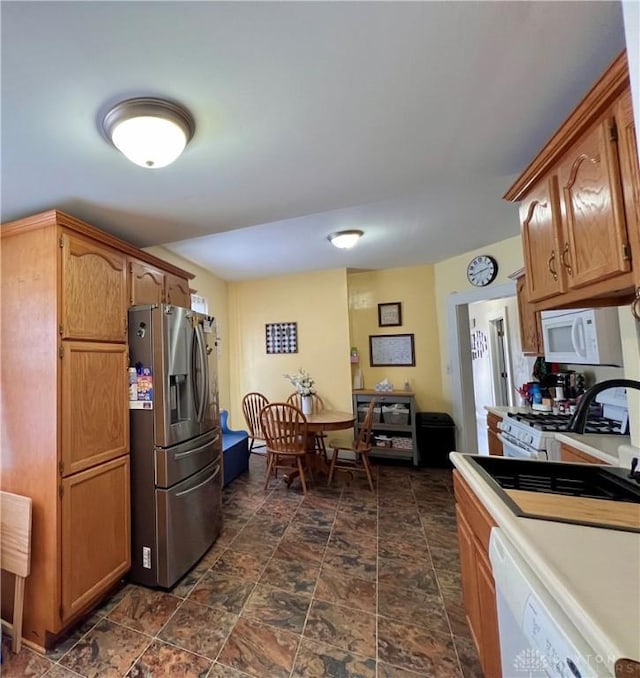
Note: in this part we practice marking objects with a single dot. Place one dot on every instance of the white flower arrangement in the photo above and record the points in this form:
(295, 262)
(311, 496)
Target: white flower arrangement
(302, 381)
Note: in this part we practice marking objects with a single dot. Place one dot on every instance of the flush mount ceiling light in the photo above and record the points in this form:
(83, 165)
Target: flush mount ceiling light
(150, 132)
(345, 239)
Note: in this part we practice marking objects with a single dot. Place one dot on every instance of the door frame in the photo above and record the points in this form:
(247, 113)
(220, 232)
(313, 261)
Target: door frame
(462, 394)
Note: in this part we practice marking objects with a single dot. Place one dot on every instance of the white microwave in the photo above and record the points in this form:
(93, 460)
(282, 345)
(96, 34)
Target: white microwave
(582, 336)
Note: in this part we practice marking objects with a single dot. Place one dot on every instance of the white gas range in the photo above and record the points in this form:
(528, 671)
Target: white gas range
(531, 435)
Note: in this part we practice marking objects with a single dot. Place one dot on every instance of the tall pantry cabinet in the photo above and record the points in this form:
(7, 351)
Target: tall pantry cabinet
(65, 434)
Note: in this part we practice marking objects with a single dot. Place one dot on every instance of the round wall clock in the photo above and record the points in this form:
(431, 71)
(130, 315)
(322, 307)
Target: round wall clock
(482, 270)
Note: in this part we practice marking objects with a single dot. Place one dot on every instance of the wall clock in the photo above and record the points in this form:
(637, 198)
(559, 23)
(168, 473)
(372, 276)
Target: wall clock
(482, 270)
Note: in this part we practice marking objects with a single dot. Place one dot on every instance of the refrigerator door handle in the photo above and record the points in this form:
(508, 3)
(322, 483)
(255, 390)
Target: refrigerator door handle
(204, 482)
(198, 380)
(204, 372)
(182, 455)
(205, 362)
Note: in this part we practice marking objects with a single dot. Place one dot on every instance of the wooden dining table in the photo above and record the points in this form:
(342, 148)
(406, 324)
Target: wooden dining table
(318, 422)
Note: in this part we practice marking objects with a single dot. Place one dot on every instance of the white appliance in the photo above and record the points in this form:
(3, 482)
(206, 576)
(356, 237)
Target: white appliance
(531, 435)
(537, 639)
(521, 439)
(582, 336)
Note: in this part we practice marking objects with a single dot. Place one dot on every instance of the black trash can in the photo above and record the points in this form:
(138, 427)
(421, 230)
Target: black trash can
(436, 438)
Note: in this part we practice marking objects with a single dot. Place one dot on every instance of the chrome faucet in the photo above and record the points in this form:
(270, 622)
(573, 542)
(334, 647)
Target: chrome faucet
(579, 418)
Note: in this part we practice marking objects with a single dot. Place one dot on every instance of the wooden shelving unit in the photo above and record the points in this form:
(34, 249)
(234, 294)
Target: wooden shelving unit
(362, 398)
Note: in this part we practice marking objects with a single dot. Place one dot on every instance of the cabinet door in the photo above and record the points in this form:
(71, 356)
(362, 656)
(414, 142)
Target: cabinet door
(146, 284)
(595, 235)
(94, 291)
(468, 571)
(176, 291)
(568, 453)
(530, 331)
(94, 412)
(495, 444)
(630, 175)
(540, 219)
(95, 533)
(490, 654)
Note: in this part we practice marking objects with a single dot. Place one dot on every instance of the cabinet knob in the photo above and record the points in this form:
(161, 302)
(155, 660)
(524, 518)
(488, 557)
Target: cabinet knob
(551, 261)
(565, 259)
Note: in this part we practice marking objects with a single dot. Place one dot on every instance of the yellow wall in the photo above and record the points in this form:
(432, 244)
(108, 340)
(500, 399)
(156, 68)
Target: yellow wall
(413, 287)
(451, 276)
(215, 292)
(317, 302)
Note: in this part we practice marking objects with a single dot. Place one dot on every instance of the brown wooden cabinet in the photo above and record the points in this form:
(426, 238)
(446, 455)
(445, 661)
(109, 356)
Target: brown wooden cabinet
(146, 284)
(568, 453)
(478, 586)
(579, 198)
(529, 321)
(540, 220)
(150, 285)
(95, 541)
(94, 287)
(65, 433)
(176, 291)
(94, 396)
(596, 246)
(495, 444)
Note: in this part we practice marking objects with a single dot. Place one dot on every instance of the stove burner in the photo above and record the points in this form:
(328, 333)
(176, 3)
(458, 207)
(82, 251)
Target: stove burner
(544, 421)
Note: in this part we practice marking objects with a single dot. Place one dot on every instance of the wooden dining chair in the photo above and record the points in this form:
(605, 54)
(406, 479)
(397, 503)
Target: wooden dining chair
(15, 554)
(252, 405)
(285, 431)
(360, 447)
(317, 405)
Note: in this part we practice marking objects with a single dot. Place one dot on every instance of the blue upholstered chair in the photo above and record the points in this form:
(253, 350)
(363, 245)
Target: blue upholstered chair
(235, 450)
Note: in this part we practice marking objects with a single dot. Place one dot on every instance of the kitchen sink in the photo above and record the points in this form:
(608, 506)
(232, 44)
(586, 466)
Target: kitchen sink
(575, 480)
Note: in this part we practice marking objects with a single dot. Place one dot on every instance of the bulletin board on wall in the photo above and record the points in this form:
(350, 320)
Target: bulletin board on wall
(388, 350)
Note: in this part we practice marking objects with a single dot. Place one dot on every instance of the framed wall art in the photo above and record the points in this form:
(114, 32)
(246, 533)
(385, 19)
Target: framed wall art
(386, 350)
(390, 314)
(281, 337)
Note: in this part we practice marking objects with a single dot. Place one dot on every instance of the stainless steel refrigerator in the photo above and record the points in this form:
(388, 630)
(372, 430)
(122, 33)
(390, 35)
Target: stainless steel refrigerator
(176, 444)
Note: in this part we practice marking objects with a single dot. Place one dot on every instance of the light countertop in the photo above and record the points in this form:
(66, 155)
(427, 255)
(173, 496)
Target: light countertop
(502, 411)
(593, 573)
(605, 447)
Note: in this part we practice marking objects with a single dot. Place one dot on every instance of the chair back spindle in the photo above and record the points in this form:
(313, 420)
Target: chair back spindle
(252, 405)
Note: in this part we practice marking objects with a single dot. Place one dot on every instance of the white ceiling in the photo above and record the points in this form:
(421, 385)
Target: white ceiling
(408, 120)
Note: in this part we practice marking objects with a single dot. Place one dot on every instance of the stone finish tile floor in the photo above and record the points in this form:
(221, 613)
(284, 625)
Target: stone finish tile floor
(342, 583)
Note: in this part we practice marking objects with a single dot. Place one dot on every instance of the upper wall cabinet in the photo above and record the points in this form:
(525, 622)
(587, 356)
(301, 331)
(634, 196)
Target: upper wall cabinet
(146, 283)
(94, 286)
(579, 203)
(596, 246)
(150, 285)
(176, 291)
(530, 331)
(540, 219)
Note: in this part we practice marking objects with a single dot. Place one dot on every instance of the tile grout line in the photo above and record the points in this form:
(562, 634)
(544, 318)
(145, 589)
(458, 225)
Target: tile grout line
(267, 561)
(313, 593)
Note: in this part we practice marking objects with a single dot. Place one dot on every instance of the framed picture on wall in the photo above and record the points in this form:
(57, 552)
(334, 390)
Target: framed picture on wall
(390, 314)
(386, 350)
(281, 337)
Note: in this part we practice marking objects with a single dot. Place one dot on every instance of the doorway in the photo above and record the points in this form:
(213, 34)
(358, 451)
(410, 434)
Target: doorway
(462, 385)
(501, 362)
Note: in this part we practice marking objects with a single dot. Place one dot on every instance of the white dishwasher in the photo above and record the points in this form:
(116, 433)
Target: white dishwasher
(537, 639)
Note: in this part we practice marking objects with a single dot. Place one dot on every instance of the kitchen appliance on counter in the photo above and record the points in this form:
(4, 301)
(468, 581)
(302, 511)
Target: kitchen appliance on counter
(176, 444)
(537, 638)
(582, 336)
(531, 435)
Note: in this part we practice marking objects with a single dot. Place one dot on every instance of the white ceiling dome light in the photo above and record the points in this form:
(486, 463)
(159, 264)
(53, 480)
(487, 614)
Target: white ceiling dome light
(345, 239)
(152, 133)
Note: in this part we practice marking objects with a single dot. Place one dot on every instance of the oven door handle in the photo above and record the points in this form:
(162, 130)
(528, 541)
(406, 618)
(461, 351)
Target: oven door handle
(516, 443)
